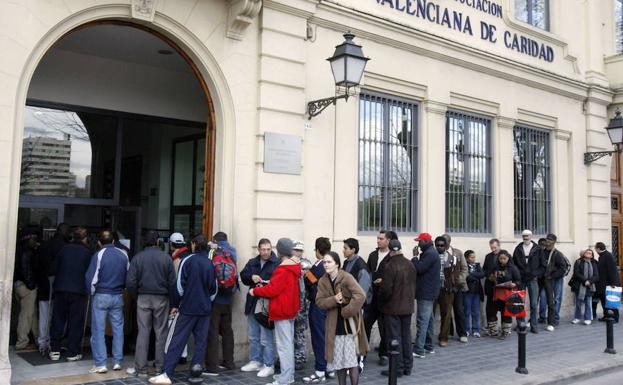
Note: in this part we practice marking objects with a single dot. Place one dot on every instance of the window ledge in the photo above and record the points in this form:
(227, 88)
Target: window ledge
(551, 37)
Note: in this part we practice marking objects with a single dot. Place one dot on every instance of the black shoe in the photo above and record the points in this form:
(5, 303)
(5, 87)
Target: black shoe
(406, 372)
(556, 323)
(541, 320)
(383, 360)
(534, 330)
(182, 361)
(386, 373)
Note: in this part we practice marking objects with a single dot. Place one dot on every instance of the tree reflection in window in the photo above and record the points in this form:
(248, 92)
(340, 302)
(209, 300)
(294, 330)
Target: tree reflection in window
(534, 12)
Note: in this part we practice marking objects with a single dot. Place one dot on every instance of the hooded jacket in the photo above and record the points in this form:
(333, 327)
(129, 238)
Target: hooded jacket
(282, 291)
(428, 268)
(254, 267)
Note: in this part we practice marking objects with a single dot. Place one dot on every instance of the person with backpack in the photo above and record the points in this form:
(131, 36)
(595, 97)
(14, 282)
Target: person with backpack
(557, 267)
(224, 259)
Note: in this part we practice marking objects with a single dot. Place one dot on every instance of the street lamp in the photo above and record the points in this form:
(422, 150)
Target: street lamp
(615, 132)
(347, 65)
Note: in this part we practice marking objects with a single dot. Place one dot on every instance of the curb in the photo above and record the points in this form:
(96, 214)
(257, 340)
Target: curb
(584, 375)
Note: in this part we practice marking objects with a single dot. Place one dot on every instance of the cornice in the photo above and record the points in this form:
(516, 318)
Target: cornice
(306, 10)
(493, 64)
(241, 15)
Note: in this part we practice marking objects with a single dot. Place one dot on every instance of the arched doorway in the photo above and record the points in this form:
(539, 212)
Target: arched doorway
(119, 131)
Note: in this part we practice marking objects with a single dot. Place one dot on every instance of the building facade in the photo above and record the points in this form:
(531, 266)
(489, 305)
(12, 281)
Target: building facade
(472, 118)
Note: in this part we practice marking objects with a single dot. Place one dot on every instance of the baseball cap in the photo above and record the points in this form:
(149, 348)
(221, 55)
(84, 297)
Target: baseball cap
(177, 238)
(298, 245)
(394, 245)
(424, 237)
(526, 232)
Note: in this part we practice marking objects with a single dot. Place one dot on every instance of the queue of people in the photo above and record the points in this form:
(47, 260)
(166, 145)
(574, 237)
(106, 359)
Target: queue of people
(190, 290)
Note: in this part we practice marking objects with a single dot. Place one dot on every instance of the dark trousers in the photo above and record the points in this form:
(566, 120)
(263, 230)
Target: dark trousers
(459, 314)
(69, 309)
(491, 310)
(220, 325)
(601, 298)
(499, 307)
(152, 312)
(179, 332)
(398, 327)
(548, 286)
(446, 301)
(316, 327)
(371, 314)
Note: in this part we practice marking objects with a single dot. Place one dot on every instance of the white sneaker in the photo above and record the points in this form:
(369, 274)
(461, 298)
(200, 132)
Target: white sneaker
(98, 369)
(550, 328)
(266, 371)
(161, 379)
(252, 366)
(130, 371)
(587, 322)
(77, 357)
(116, 367)
(575, 321)
(55, 356)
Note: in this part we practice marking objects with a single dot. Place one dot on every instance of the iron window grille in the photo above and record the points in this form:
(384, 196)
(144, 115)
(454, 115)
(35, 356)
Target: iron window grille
(533, 12)
(387, 186)
(531, 161)
(468, 173)
(618, 25)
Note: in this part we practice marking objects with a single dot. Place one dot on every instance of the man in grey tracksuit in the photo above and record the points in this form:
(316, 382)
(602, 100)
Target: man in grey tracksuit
(151, 281)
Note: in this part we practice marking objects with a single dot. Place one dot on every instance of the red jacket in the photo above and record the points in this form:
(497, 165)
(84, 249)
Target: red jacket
(282, 291)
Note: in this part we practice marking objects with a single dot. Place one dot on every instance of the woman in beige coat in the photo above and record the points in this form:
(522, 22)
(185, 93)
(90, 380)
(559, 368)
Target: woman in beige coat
(345, 337)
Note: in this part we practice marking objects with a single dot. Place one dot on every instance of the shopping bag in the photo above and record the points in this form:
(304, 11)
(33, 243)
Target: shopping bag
(514, 306)
(501, 293)
(613, 297)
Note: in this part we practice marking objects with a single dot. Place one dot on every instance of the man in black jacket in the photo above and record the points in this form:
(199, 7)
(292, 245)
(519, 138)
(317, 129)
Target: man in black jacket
(25, 286)
(45, 271)
(527, 259)
(555, 269)
(256, 272)
(151, 282)
(371, 313)
(608, 276)
(488, 267)
(70, 296)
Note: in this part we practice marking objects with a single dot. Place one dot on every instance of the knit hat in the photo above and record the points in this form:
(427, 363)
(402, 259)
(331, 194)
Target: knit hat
(284, 247)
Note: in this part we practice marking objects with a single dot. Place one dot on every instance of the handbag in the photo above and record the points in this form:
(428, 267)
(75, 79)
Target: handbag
(261, 314)
(613, 297)
(514, 304)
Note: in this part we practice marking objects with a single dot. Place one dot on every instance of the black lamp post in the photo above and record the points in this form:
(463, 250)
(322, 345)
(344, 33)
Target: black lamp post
(615, 132)
(347, 65)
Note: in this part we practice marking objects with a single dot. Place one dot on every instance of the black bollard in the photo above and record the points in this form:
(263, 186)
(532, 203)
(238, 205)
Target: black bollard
(522, 331)
(610, 332)
(394, 356)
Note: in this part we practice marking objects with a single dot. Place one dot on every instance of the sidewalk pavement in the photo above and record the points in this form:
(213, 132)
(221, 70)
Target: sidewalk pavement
(552, 358)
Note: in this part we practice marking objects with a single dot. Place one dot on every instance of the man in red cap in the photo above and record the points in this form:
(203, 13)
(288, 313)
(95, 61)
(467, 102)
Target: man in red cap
(428, 268)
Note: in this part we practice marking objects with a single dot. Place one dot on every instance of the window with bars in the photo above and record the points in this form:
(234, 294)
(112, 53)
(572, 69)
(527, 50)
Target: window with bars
(618, 25)
(468, 173)
(534, 12)
(532, 180)
(387, 164)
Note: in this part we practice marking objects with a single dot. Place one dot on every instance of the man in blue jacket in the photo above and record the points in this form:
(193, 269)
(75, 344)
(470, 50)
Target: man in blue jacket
(105, 281)
(196, 289)
(428, 284)
(220, 322)
(257, 272)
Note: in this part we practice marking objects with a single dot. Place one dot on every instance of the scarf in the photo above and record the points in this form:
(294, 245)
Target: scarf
(587, 273)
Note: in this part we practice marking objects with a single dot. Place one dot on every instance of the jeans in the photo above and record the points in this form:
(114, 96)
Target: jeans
(398, 327)
(261, 342)
(425, 326)
(587, 304)
(284, 336)
(471, 304)
(532, 288)
(557, 286)
(105, 306)
(317, 319)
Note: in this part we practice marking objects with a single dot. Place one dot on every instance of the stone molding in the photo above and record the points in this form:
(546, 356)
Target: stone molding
(472, 104)
(144, 9)
(241, 16)
(398, 87)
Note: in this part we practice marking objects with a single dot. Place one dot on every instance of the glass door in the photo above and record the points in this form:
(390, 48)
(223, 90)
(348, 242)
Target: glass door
(188, 187)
